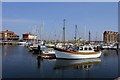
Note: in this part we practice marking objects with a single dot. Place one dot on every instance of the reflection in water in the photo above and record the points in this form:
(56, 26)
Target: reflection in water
(85, 64)
(117, 51)
(9, 50)
(39, 61)
(4, 50)
(110, 53)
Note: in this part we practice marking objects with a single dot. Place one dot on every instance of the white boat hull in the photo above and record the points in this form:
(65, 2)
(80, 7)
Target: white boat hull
(49, 52)
(65, 55)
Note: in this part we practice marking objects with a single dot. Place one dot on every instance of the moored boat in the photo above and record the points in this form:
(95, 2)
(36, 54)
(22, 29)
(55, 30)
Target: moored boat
(82, 52)
(48, 51)
(75, 52)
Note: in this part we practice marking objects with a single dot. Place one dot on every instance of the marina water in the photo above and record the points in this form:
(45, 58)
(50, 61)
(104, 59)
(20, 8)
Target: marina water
(18, 62)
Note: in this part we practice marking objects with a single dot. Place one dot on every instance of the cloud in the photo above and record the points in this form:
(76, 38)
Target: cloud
(19, 21)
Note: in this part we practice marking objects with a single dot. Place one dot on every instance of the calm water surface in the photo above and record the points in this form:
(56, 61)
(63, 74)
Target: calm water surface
(18, 62)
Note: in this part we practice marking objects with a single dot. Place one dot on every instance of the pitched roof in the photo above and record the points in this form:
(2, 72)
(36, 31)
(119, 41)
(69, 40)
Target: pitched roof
(15, 35)
(28, 33)
(6, 31)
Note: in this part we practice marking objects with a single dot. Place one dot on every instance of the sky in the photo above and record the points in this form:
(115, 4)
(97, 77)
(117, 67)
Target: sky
(60, 0)
(47, 18)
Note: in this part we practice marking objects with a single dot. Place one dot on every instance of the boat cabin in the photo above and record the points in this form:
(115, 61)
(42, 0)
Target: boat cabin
(85, 48)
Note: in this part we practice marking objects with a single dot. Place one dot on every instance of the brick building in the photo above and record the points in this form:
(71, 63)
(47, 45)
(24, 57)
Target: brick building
(110, 37)
(119, 38)
(29, 37)
(8, 35)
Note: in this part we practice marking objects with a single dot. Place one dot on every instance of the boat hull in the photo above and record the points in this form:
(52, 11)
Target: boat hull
(68, 55)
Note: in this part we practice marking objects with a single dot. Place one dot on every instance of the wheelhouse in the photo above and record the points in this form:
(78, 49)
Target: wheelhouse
(86, 48)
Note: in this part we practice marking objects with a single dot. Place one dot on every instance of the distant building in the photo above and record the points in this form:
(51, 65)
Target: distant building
(119, 38)
(29, 37)
(110, 37)
(8, 35)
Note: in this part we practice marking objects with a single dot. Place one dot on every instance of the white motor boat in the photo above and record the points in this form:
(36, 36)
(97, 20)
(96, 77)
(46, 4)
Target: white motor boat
(48, 51)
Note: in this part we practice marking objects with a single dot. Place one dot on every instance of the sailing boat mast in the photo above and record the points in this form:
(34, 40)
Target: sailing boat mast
(34, 33)
(96, 38)
(41, 31)
(75, 33)
(89, 37)
(64, 32)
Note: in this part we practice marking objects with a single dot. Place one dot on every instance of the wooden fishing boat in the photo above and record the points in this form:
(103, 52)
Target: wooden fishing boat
(72, 52)
(82, 52)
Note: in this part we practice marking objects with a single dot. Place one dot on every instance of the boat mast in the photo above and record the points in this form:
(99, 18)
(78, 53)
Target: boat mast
(55, 39)
(41, 29)
(96, 38)
(64, 32)
(75, 33)
(89, 37)
(40, 33)
(85, 33)
(34, 34)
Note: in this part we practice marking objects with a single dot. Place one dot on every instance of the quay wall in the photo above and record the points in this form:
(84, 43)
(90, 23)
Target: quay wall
(10, 43)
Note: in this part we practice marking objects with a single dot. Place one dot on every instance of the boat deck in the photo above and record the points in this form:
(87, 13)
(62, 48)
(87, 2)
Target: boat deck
(74, 52)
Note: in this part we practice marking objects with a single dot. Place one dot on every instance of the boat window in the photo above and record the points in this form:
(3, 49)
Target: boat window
(85, 48)
(81, 48)
(90, 48)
